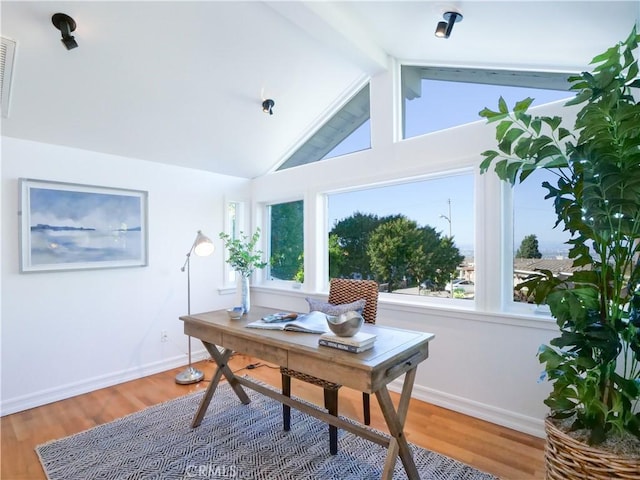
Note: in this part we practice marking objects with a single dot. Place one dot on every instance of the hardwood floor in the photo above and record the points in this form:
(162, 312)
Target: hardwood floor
(505, 453)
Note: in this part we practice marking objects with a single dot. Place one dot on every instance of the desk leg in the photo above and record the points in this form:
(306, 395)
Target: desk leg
(395, 423)
(223, 369)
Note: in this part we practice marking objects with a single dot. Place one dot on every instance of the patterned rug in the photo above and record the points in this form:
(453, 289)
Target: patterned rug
(234, 441)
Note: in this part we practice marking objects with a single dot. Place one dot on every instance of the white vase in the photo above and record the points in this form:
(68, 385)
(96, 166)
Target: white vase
(245, 293)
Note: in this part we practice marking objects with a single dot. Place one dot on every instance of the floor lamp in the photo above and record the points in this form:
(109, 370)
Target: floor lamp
(203, 247)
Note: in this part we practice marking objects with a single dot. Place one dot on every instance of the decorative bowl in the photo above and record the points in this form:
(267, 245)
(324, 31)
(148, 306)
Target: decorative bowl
(235, 313)
(346, 324)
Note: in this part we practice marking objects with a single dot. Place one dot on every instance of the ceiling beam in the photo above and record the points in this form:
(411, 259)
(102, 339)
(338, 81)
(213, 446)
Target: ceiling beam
(333, 25)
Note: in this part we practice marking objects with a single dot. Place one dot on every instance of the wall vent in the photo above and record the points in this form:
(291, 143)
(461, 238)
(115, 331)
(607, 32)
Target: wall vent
(7, 54)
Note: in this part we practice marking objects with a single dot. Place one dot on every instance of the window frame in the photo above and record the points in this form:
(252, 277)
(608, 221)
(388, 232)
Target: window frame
(265, 208)
(422, 300)
(229, 280)
(304, 153)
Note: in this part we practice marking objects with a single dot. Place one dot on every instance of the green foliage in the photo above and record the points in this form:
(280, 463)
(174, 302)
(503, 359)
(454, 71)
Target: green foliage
(594, 364)
(243, 256)
(400, 249)
(443, 259)
(529, 248)
(337, 257)
(392, 250)
(352, 239)
(287, 241)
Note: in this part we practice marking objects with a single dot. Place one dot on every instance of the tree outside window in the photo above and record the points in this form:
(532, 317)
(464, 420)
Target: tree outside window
(397, 236)
(286, 259)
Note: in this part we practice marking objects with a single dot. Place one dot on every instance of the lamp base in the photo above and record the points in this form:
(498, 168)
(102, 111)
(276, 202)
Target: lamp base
(189, 376)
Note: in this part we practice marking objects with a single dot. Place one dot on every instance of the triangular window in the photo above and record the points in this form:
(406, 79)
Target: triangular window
(346, 132)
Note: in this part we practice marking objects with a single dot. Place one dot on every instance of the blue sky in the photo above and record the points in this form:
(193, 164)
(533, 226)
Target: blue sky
(58, 207)
(442, 106)
(423, 202)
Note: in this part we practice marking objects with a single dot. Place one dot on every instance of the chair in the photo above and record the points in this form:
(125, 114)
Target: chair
(341, 290)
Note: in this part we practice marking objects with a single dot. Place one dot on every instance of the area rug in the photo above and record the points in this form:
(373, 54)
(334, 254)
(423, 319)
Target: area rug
(234, 441)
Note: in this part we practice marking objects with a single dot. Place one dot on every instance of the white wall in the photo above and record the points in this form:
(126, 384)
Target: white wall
(65, 333)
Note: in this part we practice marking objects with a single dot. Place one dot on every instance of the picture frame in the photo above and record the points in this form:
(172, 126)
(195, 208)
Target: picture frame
(68, 226)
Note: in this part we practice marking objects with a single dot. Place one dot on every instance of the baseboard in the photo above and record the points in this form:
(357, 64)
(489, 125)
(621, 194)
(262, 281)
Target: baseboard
(505, 418)
(69, 390)
(522, 423)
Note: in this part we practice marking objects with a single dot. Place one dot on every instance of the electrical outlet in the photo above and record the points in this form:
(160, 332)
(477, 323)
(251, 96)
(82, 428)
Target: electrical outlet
(164, 336)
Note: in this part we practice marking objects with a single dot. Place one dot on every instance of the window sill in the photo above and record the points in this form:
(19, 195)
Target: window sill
(455, 309)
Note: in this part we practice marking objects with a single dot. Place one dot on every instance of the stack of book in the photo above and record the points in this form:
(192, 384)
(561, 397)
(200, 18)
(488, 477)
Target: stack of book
(360, 342)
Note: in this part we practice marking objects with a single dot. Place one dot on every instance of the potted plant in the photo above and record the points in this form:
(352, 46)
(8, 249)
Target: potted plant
(594, 363)
(244, 258)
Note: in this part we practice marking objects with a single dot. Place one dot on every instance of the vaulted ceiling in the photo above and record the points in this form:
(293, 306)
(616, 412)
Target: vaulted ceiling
(183, 82)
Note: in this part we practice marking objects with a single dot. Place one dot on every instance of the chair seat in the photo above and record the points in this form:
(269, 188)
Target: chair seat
(309, 379)
(341, 291)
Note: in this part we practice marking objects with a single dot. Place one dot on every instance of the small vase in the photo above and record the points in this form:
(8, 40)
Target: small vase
(245, 293)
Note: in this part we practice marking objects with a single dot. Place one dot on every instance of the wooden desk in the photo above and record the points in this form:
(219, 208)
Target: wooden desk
(396, 352)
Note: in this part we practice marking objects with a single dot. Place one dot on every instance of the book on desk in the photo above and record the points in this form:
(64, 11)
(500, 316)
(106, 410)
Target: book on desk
(312, 322)
(360, 342)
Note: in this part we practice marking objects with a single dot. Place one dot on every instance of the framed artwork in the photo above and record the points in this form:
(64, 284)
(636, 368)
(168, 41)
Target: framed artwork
(65, 226)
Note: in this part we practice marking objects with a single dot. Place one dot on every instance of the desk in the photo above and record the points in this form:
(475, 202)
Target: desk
(396, 352)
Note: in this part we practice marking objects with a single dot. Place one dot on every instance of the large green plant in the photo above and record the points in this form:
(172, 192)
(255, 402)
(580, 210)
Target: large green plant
(594, 364)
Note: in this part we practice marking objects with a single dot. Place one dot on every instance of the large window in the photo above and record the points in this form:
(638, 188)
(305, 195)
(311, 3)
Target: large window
(416, 236)
(286, 241)
(412, 238)
(439, 98)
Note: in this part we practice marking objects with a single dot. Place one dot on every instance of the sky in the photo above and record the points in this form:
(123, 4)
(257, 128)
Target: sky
(427, 202)
(68, 208)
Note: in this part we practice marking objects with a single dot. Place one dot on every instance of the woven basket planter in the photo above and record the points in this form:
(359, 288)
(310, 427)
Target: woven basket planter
(569, 459)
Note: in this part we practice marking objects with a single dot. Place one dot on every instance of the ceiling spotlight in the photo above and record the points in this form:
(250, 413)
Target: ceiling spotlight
(66, 25)
(443, 30)
(267, 106)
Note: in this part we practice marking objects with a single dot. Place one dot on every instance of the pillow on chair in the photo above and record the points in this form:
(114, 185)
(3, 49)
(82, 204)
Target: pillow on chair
(331, 309)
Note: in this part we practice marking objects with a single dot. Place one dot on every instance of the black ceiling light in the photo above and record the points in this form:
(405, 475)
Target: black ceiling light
(66, 25)
(443, 30)
(267, 106)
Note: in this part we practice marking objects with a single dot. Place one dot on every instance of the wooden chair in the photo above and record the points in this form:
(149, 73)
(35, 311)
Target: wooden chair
(341, 290)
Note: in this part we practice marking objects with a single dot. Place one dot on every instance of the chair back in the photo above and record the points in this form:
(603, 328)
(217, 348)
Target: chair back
(345, 290)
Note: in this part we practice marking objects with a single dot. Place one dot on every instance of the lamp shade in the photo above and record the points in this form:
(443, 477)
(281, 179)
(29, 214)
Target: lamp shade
(203, 246)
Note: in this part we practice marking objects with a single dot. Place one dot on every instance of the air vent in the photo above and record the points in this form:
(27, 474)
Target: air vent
(7, 53)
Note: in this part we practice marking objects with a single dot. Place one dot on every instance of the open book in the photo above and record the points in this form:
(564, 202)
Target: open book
(312, 322)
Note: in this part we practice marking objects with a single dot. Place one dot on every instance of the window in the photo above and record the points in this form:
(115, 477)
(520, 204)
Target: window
(439, 98)
(412, 238)
(286, 241)
(536, 243)
(346, 132)
(233, 219)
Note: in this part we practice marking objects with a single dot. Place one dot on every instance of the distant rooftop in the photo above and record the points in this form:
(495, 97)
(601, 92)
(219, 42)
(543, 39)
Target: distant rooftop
(531, 265)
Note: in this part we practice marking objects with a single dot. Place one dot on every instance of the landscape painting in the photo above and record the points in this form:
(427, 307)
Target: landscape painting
(69, 227)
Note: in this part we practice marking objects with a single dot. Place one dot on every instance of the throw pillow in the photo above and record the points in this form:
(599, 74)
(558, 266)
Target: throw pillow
(331, 309)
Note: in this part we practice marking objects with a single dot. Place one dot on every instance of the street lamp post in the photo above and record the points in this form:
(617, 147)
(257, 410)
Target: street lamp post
(448, 218)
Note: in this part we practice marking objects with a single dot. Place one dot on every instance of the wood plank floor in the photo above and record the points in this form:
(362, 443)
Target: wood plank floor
(505, 453)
